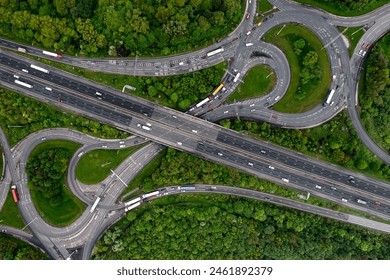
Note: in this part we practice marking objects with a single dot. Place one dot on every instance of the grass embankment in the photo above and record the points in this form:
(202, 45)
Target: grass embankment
(95, 165)
(316, 89)
(147, 171)
(353, 34)
(70, 208)
(263, 9)
(9, 214)
(334, 7)
(259, 81)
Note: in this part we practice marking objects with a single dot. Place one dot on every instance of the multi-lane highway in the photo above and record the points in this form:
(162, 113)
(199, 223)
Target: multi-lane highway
(197, 136)
(191, 134)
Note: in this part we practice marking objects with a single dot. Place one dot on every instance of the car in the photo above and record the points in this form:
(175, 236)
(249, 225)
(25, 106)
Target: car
(80, 154)
(368, 45)
(259, 24)
(43, 138)
(226, 112)
(122, 146)
(99, 98)
(148, 124)
(213, 187)
(248, 15)
(179, 143)
(318, 187)
(3, 230)
(194, 131)
(253, 110)
(360, 52)
(364, 53)
(250, 163)
(263, 151)
(377, 203)
(271, 167)
(173, 116)
(220, 154)
(25, 70)
(277, 98)
(122, 142)
(200, 143)
(344, 200)
(16, 76)
(104, 146)
(333, 188)
(249, 32)
(60, 100)
(252, 105)
(253, 28)
(49, 89)
(285, 180)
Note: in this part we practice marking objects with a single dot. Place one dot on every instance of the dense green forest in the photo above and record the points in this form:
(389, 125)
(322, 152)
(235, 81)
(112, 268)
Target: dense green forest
(374, 97)
(29, 115)
(14, 249)
(231, 228)
(46, 171)
(335, 141)
(119, 27)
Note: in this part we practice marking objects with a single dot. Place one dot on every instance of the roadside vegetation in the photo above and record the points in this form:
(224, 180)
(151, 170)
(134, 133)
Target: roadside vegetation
(21, 116)
(14, 249)
(177, 92)
(95, 165)
(119, 28)
(221, 227)
(353, 34)
(374, 95)
(179, 168)
(146, 172)
(263, 6)
(9, 214)
(335, 141)
(46, 169)
(259, 81)
(346, 7)
(309, 66)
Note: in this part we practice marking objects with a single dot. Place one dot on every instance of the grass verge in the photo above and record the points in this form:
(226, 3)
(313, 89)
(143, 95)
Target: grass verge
(353, 34)
(255, 84)
(316, 89)
(9, 214)
(70, 208)
(95, 166)
(147, 171)
(334, 7)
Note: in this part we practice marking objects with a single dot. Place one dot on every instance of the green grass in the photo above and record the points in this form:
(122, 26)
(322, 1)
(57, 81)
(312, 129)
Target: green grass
(95, 166)
(333, 8)
(10, 215)
(353, 34)
(1, 162)
(118, 81)
(70, 208)
(316, 90)
(145, 172)
(255, 84)
(263, 6)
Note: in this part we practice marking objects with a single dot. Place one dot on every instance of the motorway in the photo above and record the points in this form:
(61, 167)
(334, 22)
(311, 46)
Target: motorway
(80, 237)
(197, 136)
(191, 134)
